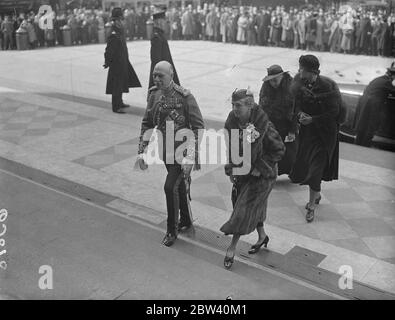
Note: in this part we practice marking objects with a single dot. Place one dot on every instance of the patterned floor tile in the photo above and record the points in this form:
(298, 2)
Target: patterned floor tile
(354, 244)
(206, 178)
(390, 222)
(28, 121)
(99, 161)
(110, 156)
(124, 150)
(333, 230)
(11, 133)
(29, 108)
(383, 208)
(20, 120)
(374, 193)
(206, 190)
(39, 125)
(342, 196)
(303, 229)
(354, 183)
(281, 199)
(284, 215)
(216, 202)
(14, 126)
(325, 212)
(355, 210)
(383, 247)
(36, 132)
(371, 227)
(225, 188)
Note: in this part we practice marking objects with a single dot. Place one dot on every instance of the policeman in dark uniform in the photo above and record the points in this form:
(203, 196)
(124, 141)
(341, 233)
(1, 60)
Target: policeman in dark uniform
(172, 108)
(160, 50)
(121, 75)
(375, 108)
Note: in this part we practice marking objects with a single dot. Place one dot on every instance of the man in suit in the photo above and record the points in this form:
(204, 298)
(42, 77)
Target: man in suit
(121, 75)
(160, 50)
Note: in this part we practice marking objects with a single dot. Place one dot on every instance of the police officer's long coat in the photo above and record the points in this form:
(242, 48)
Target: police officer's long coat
(121, 74)
(160, 51)
(373, 102)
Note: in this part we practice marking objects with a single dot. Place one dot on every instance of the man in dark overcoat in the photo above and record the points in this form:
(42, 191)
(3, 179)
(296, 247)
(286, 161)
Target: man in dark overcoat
(372, 106)
(160, 50)
(363, 34)
(121, 75)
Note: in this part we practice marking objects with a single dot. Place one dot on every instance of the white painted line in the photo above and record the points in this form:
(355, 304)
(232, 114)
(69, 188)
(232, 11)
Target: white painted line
(206, 247)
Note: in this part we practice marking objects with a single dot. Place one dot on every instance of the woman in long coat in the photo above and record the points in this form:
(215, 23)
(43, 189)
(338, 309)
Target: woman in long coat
(275, 98)
(187, 24)
(210, 25)
(223, 24)
(253, 180)
(362, 41)
(319, 40)
(347, 26)
(242, 24)
(317, 103)
(311, 31)
(295, 24)
(302, 30)
(276, 30)
(335, 36)
(251, 31)
(287, 32)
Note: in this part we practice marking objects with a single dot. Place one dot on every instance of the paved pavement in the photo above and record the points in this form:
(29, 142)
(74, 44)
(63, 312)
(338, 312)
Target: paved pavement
(54, 118)
(95, 254)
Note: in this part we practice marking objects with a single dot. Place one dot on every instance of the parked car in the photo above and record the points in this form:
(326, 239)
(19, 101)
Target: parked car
(385, 136)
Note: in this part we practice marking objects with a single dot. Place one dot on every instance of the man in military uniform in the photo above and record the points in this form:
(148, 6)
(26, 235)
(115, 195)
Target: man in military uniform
(172, 108)
(121, 75)
(160, 50)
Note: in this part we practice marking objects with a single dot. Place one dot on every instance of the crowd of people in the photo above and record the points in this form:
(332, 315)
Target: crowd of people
(349, 30)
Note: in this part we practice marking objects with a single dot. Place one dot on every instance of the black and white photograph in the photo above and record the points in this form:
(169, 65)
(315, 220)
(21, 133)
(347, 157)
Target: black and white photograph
(198, 155)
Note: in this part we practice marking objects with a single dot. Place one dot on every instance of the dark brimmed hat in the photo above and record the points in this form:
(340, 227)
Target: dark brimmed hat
(239, 94)
(159, 15)
(391, 69)
(160, 12)
(116, 13)
(310, 63)
(274, 71)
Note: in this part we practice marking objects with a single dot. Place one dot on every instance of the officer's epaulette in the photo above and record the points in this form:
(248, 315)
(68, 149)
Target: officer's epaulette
(183, 91)
(153, 88)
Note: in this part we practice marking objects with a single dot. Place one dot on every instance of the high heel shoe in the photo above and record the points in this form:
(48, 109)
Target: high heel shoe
(256, 247)
(228, 261)
(317, 201)
(310, 215)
